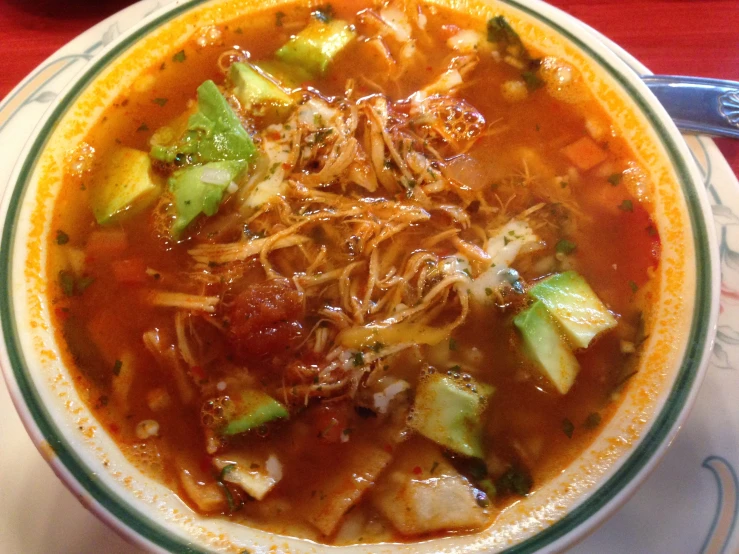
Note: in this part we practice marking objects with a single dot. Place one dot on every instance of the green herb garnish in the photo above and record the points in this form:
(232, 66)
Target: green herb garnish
(592, 421)
(66, 281)
(228, 468)
(532, 80)
(568, 427)
(61, 237)
(565, 246)
(615, 178)
(627, 206)
(516, 480)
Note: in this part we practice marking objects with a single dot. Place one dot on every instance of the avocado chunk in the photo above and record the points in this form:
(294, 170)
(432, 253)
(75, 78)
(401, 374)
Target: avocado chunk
(287, 75)
(545, 346)
(255, 88)
(199, 189)
(448, 410)
(574, 305)
(124, 185)
(252, 409)
(317, 45)
(214, 133)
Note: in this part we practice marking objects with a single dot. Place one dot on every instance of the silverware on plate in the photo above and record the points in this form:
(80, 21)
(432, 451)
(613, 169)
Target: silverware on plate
(698, 104)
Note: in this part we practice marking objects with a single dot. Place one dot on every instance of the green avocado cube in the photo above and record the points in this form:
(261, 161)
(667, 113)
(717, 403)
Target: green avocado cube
(448, 411)
(317, 45)
(199, 189)
(573, 304)
(214, 133)
(255, 88)
(545, 346)
(124, 185)
(253, 408)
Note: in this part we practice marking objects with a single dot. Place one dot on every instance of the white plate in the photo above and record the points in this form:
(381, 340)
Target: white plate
(689, 505)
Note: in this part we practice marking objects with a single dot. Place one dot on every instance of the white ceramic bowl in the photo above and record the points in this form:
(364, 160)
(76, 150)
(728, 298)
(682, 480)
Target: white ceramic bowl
(556, 515)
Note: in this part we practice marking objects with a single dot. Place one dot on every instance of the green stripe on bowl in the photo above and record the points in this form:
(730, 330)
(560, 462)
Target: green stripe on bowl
(160, 536)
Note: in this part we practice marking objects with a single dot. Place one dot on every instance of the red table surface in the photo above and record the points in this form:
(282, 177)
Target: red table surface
(687, 37)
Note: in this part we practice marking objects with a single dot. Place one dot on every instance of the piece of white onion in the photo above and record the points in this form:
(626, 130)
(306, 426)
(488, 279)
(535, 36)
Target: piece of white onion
(215, 176)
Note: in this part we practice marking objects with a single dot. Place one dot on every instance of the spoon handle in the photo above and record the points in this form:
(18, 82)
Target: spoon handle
(697, 104)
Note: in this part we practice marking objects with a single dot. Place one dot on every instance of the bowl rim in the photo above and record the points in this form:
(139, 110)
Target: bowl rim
(602, 500)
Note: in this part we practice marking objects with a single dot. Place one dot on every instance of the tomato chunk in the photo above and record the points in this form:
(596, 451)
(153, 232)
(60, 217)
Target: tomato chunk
(265, 320)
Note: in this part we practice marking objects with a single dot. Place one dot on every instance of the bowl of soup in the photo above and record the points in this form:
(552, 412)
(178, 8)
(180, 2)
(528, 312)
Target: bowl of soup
(382, 277)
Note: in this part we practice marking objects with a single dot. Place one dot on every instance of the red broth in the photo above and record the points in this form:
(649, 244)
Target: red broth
(164, 375)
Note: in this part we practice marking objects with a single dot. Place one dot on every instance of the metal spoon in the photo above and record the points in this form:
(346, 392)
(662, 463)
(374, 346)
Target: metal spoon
(697, 104)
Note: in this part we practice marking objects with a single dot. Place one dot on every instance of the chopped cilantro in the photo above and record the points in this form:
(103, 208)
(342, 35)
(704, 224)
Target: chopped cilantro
(159, 101)
(488, 291)
(228, 468)
(72, 287)
(568, 427)
(452, 344)
(592, 421)
(117, 367)
(358, 359)
(143, 127)
(279, 16)
(565, 246)
(532, 80)
(83, 283)
(515, 480)
(633, 286)
(66, 281)
(61, 237)
(627, 206)
(615, 178)
(499, 30)
(377, 347)
(179, 57)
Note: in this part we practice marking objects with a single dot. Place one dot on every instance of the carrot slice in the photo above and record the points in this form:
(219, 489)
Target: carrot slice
(108, 243)
(130, 272)
(584, 153)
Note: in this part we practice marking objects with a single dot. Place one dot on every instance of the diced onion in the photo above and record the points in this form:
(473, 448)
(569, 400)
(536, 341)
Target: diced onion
(382, 399)
(147, 428)
(274, 467)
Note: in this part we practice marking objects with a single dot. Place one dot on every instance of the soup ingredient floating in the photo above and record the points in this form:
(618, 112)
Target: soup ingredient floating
(355, 276)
